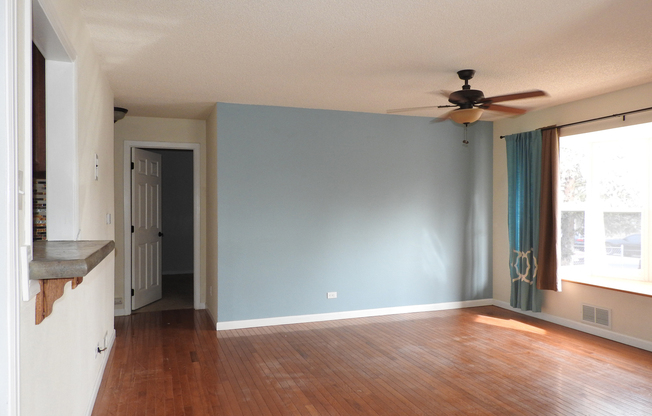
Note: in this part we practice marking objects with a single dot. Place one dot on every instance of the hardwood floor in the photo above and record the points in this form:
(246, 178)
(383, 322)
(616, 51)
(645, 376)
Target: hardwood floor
(477, 361)
(177, 294)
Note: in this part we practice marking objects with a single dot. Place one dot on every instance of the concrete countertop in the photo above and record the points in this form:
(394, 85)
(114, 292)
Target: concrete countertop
(65, 259)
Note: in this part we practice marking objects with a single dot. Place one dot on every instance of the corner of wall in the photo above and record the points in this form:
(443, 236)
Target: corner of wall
(211, 214)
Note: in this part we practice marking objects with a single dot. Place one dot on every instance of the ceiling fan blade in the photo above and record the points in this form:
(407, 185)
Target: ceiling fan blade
(442, 117)
(504, 109)
(516, 96)
(401, 110)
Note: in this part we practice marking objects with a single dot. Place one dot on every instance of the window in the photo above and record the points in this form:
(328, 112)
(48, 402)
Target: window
(605, 201)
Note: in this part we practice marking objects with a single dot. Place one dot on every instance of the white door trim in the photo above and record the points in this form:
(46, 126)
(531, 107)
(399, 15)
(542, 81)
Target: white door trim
(195, 222)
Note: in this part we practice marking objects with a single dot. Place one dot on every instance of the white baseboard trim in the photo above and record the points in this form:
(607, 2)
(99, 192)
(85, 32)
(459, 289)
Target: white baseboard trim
(200, 305)
(579, 326)
(100, 374)
(320, 317)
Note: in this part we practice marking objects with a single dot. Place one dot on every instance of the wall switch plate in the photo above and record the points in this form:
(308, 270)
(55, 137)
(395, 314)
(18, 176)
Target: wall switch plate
(331, 295)
(117, 301)
(97, 167)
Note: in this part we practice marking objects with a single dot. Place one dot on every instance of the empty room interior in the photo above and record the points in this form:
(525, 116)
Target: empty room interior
(325, 208)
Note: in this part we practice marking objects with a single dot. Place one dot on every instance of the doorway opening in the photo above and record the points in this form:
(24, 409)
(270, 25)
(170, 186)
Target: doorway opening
(176, 225)
(180, 226)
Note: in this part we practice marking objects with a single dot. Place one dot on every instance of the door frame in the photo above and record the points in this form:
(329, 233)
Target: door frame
(128, 145)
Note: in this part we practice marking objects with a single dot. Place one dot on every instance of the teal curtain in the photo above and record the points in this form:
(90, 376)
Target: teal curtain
(524, 182)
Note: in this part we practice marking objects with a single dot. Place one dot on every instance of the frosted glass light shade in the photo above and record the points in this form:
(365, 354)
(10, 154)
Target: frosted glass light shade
(466, 115)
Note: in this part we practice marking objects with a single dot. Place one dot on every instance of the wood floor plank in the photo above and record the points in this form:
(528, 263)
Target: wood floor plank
(480, 361)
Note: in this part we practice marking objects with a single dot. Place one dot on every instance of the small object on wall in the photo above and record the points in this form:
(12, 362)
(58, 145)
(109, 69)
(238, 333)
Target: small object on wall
(97, 167)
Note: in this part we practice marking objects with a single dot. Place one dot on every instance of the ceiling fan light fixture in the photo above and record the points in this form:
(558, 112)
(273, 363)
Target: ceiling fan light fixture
(466, 115)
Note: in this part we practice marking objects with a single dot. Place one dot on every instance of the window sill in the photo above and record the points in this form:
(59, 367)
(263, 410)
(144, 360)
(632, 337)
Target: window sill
(634, 287)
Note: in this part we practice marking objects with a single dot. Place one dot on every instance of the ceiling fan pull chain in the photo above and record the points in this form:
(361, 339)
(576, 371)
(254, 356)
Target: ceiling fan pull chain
(465, 142)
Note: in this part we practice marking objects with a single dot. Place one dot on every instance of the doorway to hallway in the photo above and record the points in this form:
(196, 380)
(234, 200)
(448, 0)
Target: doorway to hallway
(176, 217)
(180, 219)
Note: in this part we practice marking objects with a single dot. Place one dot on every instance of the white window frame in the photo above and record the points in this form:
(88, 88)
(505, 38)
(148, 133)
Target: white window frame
(635, 281)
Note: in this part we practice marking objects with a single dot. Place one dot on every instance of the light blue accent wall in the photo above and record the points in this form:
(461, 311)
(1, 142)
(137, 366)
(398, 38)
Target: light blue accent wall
(385, 210)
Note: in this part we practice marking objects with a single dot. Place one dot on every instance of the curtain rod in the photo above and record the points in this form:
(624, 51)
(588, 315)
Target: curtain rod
(594, 119)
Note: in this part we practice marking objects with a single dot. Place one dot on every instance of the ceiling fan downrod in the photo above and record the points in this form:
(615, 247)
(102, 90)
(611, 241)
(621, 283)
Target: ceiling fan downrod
(465, 75)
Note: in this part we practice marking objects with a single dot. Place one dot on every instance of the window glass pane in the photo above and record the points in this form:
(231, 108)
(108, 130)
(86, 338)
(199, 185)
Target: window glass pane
(623, 239)
(572, 166)
(619, 172)
(605, 203)
(572, 238)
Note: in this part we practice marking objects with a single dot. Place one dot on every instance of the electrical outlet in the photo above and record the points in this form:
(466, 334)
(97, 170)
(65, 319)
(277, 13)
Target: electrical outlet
(117, 301)
(331, 295)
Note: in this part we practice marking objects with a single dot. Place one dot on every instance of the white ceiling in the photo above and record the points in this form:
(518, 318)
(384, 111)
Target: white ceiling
(175, 58)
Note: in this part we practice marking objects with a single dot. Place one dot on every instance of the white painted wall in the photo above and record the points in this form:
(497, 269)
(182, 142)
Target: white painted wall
(9, 292)
(59, 372)
(152, 129)
(630, 313)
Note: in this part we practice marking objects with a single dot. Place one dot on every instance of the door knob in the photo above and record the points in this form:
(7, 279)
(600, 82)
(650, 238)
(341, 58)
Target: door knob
(160, 234)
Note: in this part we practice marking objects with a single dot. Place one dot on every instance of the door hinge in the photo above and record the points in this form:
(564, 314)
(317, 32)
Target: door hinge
(132, 292)
(132, 228)
(132, 166)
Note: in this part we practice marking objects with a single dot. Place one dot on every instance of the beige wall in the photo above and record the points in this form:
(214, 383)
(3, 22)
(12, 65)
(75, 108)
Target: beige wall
(59, 370)
(630, 313)
(211, 205)
(152, 129)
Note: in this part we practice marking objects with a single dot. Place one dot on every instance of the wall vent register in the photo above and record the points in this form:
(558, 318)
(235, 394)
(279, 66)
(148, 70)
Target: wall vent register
(596, 316)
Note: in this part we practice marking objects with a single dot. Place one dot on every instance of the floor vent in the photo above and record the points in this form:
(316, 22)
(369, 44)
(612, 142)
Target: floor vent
(596, 316)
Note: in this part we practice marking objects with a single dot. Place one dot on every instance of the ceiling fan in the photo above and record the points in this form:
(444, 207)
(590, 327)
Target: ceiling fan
(472, 103)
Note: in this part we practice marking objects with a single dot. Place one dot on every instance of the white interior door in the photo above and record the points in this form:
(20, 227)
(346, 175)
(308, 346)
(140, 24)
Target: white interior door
(146, 233)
